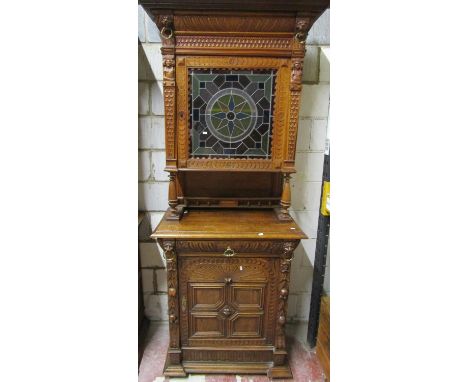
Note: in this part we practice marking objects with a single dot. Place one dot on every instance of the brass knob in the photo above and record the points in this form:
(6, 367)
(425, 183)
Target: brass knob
(229, 252)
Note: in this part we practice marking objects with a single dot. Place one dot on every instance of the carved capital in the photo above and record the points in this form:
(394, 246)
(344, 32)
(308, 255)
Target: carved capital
(169, 254)
(288, 249)
(168, 247)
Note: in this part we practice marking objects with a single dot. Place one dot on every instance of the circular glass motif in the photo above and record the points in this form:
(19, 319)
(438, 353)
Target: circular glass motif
(231, 115)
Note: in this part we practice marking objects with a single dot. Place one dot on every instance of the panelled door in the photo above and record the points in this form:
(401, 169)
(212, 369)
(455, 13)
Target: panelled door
(227, 300)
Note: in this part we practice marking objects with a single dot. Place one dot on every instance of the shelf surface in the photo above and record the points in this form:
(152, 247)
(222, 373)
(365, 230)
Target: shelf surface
(228, 224)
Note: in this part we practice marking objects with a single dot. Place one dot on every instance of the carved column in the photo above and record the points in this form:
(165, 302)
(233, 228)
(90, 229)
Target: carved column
(173, 365)
(283, 213)
(172, 196)
(165, 24)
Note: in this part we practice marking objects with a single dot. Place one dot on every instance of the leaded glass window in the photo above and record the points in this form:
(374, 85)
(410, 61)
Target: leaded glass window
(231, 113)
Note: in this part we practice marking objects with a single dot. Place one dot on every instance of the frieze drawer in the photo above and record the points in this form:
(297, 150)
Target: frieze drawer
(229, 248)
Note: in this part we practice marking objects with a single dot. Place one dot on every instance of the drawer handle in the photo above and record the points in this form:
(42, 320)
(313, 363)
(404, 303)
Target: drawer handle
(229, 252)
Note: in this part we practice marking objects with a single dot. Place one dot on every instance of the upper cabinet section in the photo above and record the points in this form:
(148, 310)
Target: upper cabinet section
(232, 75)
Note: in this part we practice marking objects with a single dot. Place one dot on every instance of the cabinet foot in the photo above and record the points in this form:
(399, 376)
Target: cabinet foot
(283, 371)
(174, 370)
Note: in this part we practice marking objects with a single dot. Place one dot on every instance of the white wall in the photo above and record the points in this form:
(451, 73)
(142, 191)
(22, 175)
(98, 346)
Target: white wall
(306, 184)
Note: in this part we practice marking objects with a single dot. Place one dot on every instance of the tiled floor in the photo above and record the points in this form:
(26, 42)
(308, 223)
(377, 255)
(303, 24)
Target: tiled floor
(304, 363)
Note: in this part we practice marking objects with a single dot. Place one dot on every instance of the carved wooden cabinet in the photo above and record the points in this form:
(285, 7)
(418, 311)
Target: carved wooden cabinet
(232, 75)
(228, 285)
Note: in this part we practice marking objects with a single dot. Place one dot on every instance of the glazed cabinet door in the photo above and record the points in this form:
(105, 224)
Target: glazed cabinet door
(227, 301)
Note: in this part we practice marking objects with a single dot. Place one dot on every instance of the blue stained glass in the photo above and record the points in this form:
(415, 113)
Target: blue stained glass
(232, 110)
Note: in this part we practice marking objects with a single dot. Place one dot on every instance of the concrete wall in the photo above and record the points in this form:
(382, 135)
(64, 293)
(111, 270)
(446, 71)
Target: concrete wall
(306, 184)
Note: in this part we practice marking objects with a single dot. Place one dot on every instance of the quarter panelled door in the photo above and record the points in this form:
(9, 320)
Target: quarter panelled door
(227, 301)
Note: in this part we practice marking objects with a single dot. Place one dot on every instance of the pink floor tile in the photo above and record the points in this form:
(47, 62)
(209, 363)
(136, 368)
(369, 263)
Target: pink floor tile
(152, 362)
(220, 378)
(303, 361)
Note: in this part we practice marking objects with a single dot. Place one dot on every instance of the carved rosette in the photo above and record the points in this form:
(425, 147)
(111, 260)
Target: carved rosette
(171, 265)
(283, 292)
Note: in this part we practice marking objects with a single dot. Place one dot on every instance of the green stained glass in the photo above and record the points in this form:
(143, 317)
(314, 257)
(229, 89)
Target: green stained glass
(231, 113)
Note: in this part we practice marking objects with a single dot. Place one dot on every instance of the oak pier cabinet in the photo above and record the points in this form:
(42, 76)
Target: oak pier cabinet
(232, 76)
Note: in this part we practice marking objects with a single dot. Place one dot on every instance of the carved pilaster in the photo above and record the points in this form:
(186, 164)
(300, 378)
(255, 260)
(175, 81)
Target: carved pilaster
(303, 25)
(165, 24)
(173, 362)
(283, 292)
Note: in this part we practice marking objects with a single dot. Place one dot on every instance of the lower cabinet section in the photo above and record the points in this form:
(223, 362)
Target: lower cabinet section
(227, 306)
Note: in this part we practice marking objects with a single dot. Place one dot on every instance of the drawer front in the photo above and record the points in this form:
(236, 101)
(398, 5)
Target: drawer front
(219, 247)
(227, 301)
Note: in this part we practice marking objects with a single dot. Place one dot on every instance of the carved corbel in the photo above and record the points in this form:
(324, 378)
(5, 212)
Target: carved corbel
(303, 25)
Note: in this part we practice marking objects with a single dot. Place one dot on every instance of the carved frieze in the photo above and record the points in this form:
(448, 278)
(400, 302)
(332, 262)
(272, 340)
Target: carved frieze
(238, 163)
(231, 23)
(233, 42)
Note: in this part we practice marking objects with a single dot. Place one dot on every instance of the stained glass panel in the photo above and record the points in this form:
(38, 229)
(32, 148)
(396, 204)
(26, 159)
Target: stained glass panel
(231, 113)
